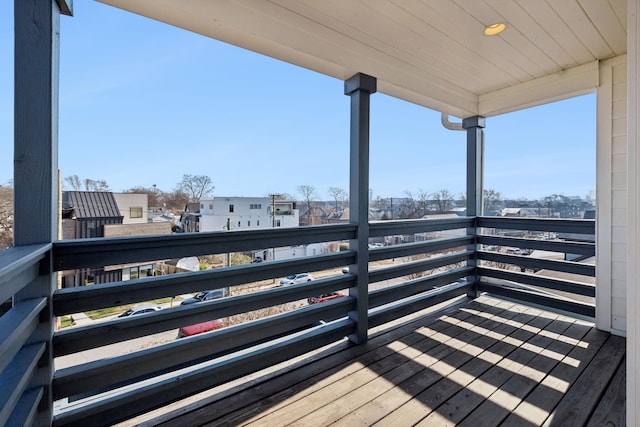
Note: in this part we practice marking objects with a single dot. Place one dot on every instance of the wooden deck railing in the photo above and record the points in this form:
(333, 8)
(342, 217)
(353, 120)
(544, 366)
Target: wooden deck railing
(414, 275)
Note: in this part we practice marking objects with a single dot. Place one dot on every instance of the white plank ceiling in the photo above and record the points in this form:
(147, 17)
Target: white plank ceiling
(430, 52)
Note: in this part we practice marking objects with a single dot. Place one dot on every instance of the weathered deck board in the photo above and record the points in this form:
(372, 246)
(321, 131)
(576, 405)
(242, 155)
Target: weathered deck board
(611, 409)
(590, 386)
(485, 362)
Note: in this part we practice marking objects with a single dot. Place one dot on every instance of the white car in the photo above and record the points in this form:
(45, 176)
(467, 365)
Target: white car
(140, 309)
(294, 279)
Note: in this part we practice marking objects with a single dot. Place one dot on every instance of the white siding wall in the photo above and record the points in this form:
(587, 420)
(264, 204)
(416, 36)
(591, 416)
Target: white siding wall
(612, 196)
(633, 180)
(126, 201)
(215, 212)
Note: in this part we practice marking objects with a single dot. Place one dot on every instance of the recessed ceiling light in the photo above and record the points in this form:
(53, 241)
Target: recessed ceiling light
(494, 29)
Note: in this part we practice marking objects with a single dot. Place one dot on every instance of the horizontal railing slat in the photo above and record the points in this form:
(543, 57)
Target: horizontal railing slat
(19, 266)
(577, 226)
(26, 410)
(577, 307)
(72, 340)
(541, 281)
(169, 388)
(408, 249)
(413, 226)
(418, 266)
(76, 300)
(544, 245)
(73, 254)
(188, 351)
(15, 379)
(16, 327)
(406, 289)
(539, 263)
(389, 312)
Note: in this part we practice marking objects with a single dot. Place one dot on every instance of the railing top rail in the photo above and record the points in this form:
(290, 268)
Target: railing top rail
(564, 225)
(71, 254)
(411, 226)
(19, 258)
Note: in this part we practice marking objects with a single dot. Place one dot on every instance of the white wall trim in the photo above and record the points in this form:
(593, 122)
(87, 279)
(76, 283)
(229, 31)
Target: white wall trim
(603, 198)
(575, 81)
(633, 183)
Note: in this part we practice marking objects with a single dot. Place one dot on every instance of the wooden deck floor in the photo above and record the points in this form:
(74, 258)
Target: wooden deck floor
(485, 362)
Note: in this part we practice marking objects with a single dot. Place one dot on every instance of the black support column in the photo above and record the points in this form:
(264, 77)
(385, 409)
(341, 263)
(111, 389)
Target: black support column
(359, 88)
(475, 164)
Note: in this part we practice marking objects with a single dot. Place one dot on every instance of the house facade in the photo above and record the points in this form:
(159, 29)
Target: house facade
(246, 213)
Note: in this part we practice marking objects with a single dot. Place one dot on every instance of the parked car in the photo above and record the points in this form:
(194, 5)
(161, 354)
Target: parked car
(205, 296)
(140, 309)
(198, 328)
(325, 297)
(294, 279)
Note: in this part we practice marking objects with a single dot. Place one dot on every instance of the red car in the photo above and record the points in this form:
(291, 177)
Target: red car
(325, 297)
(187, 331)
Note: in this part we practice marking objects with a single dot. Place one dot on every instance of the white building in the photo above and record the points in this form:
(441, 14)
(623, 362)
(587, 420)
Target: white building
(245, 213)
(133, 207)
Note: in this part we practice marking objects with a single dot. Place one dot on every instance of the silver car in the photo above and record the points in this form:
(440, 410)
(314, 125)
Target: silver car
(294, 279)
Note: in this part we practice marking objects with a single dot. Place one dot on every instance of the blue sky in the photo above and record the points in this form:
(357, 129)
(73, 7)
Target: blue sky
(142, 103)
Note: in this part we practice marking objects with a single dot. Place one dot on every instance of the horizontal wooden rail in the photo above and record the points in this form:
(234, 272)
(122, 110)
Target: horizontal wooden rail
(409, 249)
(413, 287)
(72, 340)
(153, 394)
(393, 311)
(19, 266)
(580, 248)
(17, 326)
(26, 410)
(540, 281)
(76, 300)
(74, 254)
(539, 263)
(577, 226)
(413, 226)
(15, 379)
(529, 296)
(418, 266)
(160, 359)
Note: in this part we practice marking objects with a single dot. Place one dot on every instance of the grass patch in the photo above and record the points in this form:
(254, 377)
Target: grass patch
(112, 311)
(65, 322)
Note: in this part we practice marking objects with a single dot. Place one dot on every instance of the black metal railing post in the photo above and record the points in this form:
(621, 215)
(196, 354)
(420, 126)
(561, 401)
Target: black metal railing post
(475, 159)
(360, 87)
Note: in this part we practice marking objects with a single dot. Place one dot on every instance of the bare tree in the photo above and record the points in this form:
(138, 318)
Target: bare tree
(338, 195)
(195, 186)
(154, 196)
(6, 217)
(443, 200)
(491, 200)
(308, 193)
(175, 200)
(95, 185)
(74, 181)
(423, 202)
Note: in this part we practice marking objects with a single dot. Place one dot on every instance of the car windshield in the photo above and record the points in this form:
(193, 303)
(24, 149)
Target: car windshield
(293, 276)
(126, 313)
(200, 295)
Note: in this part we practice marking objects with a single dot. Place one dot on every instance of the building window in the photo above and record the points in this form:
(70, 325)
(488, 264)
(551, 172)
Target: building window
(211, 206)
(230, 208)
(277, 223)
(201, 205)
(255, 206)
(239, 224)
(248, 223)
(258, 223)
(135, 212)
